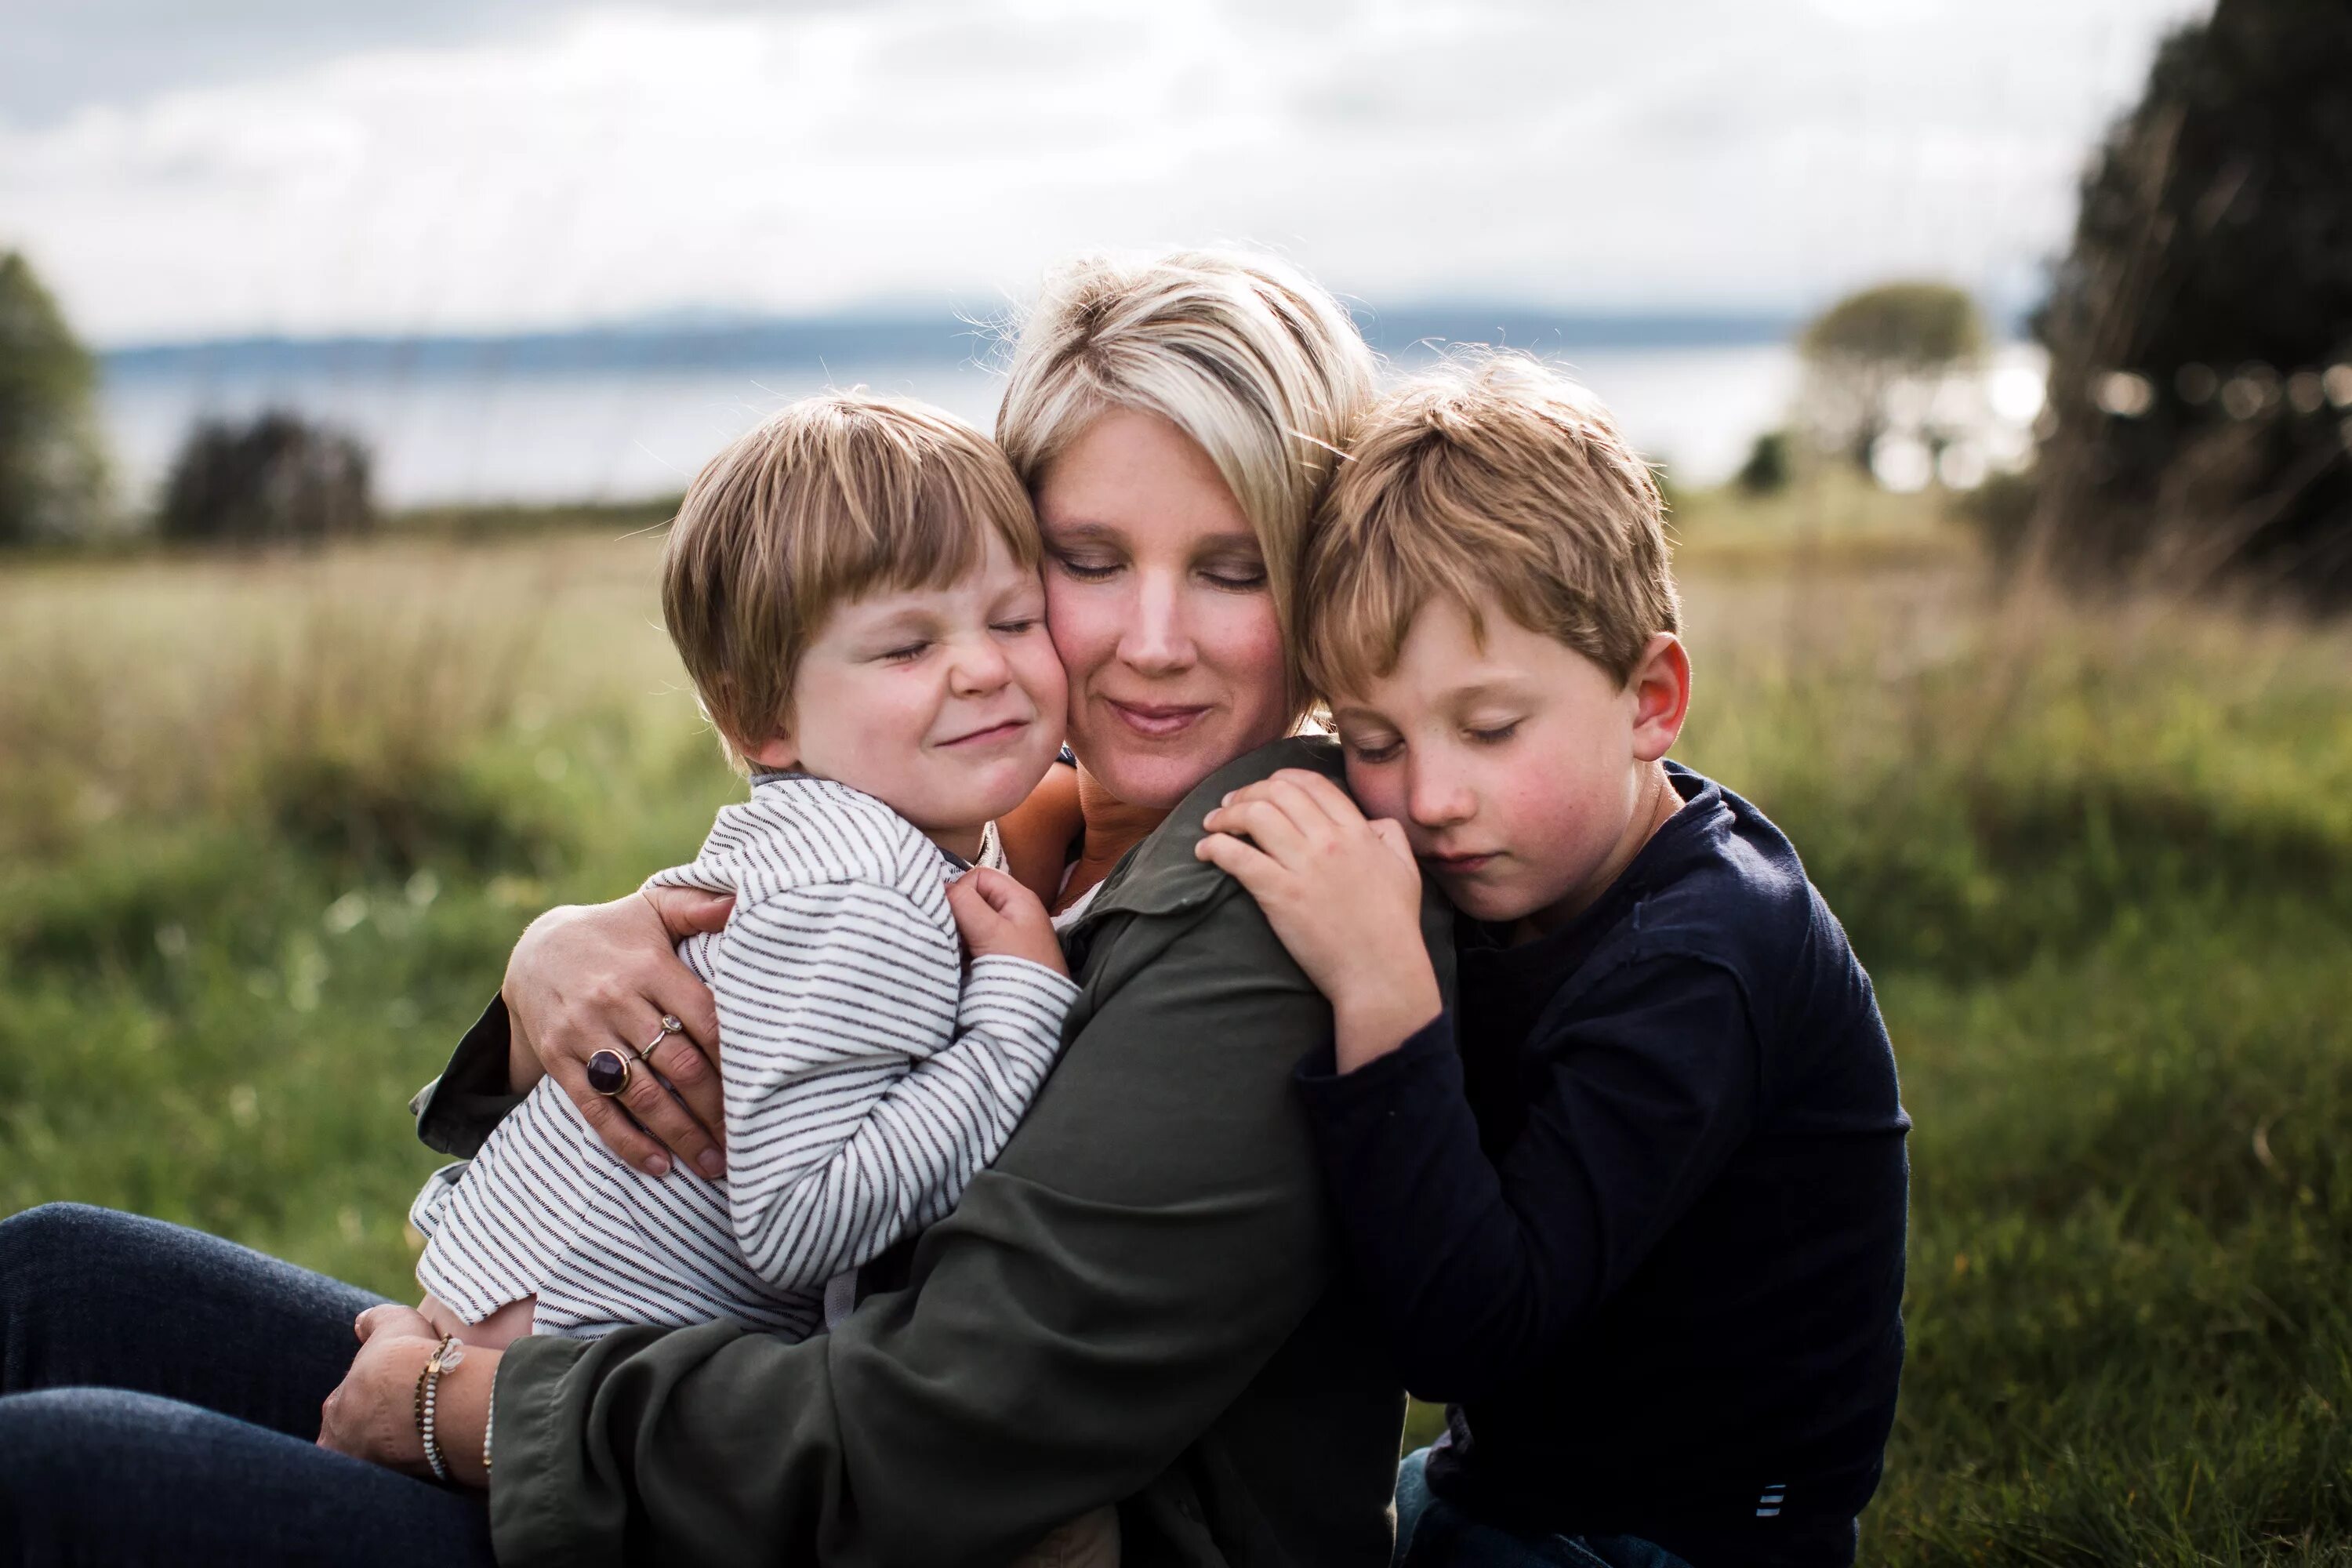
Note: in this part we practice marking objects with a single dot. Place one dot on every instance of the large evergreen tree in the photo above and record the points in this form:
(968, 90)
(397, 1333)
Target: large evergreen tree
(2201, 330)
(52, 476)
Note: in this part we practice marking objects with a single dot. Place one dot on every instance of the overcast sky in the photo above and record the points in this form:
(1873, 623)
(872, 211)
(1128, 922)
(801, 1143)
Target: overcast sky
(307, 166)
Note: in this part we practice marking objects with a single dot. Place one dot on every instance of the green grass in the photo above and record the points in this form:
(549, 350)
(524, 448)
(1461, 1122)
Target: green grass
(266, 829)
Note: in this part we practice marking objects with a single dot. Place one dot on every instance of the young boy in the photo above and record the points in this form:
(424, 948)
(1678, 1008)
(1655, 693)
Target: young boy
(854, 589)
(1635, 1206)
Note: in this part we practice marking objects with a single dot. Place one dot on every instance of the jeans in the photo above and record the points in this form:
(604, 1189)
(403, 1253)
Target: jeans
(158, 1402)
(1433, 1533)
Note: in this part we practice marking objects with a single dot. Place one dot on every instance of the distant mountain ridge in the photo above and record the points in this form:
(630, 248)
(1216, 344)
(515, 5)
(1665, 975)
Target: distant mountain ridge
(691, 341)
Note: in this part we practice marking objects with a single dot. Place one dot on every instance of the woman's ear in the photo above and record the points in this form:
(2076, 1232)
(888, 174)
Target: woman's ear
(1660, 688)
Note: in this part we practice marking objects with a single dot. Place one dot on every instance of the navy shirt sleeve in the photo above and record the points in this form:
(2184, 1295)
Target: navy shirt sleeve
(1636, 1098)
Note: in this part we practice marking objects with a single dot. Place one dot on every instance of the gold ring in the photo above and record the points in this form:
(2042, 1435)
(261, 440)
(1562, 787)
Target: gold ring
(669, 1027)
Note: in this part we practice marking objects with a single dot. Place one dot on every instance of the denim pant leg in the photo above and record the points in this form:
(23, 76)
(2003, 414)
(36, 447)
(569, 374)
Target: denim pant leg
(159, 1395)
(89, 1297)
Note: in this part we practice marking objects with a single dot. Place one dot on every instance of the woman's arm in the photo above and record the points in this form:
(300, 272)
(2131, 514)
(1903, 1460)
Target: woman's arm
(1152, 1235)
(585, 978)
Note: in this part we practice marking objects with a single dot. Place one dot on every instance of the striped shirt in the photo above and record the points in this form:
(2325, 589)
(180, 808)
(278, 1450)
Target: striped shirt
(867, 1078)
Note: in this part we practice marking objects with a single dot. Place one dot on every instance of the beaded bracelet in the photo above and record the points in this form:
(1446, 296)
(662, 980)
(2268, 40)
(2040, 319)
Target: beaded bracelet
(446, 1355)
(489, 1416)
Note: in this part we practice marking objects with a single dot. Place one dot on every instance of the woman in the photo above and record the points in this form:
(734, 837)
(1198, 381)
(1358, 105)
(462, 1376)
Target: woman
(1136, 1304)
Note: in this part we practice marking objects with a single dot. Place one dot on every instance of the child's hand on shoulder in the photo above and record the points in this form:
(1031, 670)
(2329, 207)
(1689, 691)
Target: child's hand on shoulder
(1343, 894)
(999, 917)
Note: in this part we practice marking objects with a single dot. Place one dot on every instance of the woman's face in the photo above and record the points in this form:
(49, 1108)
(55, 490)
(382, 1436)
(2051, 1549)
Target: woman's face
(1157, 599)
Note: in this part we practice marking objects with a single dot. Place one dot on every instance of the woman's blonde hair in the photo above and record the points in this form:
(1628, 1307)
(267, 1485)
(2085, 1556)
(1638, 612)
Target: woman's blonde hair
(1242, 353)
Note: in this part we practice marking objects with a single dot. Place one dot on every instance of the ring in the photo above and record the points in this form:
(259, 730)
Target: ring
(608, 1073)
(669, 1027)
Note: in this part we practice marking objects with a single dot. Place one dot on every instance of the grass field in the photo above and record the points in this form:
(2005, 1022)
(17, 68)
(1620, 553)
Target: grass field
(266, 829)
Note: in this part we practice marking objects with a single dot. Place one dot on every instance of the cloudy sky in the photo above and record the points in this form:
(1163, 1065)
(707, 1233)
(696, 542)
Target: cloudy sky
(328, 165)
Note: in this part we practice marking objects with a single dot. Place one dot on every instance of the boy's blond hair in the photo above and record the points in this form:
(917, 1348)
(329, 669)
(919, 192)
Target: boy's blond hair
(1490, 475)
(1242, 353)
(836, 497)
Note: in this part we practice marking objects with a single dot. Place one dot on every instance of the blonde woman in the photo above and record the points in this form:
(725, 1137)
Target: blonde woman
(1136, 1305)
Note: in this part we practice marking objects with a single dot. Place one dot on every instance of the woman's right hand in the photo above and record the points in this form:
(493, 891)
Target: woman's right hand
(591, 977)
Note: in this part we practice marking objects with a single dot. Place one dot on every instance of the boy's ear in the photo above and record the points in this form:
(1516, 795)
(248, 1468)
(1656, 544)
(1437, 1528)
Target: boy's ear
(776, 751)
(1660, 688)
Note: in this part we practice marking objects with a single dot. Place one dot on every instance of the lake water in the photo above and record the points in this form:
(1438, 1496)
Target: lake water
(622, 434)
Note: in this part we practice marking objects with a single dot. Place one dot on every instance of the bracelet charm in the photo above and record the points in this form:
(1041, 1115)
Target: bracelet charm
(446, 1355)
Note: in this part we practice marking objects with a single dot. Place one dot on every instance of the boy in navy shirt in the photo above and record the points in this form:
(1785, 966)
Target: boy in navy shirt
(1634, 1206)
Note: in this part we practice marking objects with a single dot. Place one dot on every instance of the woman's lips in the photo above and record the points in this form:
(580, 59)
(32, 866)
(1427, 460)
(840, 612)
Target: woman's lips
(1156, 721)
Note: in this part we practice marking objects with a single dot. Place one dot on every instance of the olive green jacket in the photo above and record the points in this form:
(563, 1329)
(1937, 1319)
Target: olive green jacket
(1140, 1301)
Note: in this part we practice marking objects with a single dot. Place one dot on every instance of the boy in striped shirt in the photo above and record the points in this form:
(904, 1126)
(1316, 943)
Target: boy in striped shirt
(854, 589)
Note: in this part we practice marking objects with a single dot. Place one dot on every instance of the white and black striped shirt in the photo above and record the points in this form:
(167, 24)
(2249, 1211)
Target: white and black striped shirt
(867, 1078)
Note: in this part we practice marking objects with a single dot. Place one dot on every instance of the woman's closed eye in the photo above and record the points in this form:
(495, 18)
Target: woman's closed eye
(1090, 568)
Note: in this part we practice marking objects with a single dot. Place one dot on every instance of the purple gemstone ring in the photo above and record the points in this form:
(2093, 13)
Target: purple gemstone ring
(608, 1073)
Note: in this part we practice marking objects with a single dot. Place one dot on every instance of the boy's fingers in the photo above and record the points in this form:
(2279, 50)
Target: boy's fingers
(1307, 813)
(1324, 790)
(1253, 869)
(1265, 822)
(1391, 832)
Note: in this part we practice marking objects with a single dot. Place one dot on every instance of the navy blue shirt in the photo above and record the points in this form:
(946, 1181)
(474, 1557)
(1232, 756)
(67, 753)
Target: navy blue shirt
(1636, 1207)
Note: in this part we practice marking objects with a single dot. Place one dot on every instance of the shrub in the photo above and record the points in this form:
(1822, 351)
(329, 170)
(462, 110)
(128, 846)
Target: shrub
(277, 479)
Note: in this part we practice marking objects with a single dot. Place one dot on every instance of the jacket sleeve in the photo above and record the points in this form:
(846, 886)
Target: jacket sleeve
(1483, 1265)
(1149, 1237)
(864, 1081)
(456, 1111)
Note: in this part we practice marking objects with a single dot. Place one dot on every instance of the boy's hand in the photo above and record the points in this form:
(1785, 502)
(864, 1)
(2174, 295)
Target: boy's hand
(1343, 894)
(998, 915)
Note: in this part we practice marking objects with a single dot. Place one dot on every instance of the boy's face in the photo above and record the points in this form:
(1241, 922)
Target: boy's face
(1524, 775)
(946, 704)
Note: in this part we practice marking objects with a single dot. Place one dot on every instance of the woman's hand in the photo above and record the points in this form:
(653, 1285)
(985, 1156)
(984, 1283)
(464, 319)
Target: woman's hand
(593, 977)
(1342, 893)
(372, 1413)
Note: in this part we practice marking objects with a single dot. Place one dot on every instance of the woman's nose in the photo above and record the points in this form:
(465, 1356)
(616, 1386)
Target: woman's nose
(1156, 640)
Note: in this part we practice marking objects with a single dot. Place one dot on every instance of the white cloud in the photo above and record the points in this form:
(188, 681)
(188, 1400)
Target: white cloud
(616, 162)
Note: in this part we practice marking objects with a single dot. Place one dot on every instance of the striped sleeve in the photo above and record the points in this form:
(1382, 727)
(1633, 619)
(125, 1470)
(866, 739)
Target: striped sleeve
(864, 1081)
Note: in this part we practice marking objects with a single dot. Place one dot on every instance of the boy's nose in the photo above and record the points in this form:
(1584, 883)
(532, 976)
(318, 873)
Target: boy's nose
(979, 665)
(1438, 799)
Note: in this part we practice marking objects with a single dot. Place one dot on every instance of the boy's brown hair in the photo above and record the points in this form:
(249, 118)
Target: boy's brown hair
(1489, 475)
(836, 497)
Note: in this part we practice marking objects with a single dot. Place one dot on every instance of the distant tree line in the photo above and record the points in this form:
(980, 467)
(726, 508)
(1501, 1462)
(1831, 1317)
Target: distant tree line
(273, 479)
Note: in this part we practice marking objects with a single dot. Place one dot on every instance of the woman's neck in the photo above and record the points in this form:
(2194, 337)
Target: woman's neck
(1111, 828)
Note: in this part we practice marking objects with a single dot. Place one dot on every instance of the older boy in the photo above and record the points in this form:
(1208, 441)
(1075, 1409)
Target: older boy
(1636, 1206)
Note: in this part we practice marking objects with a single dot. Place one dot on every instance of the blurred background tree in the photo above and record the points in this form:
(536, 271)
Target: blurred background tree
(2201, 330)
(276, 478)
(52, 466)
(1877, 364)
